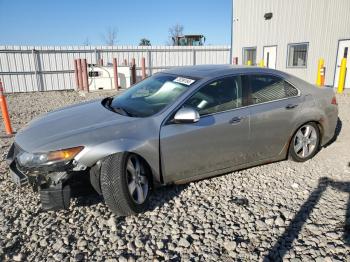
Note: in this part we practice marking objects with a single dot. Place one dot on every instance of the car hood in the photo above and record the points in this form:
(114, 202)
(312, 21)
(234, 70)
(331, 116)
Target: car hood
(69, 126)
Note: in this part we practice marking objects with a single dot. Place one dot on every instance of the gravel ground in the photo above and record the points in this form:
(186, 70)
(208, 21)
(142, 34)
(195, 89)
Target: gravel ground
(300, 211)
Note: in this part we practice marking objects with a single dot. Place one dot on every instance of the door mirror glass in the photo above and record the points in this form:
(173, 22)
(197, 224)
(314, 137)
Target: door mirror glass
(186, 115)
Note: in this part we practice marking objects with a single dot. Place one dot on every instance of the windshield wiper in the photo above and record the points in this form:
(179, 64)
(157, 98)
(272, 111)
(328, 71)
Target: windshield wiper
(108, 100)
(118, 109)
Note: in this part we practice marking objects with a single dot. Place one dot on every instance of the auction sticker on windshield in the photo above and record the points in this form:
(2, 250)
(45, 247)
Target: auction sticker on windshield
(183, 80)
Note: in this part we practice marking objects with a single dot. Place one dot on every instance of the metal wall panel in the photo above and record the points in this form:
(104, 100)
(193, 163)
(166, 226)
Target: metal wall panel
(45, 68)
(321, 23)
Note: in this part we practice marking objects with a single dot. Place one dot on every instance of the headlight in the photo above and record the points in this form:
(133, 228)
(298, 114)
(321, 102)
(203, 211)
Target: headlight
(32, 160)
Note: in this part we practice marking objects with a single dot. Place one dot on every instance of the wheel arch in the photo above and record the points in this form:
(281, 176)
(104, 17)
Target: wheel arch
(289, 142)
(95, 170)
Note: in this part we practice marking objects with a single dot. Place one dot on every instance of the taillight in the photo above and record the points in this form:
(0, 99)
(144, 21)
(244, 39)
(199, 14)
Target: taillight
(334, 101)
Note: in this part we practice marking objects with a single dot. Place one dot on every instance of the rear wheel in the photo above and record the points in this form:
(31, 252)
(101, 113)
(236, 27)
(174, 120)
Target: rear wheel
(125, 183)
(305, 142)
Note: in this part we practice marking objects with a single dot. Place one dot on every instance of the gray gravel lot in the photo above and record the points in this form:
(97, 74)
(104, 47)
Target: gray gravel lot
(300, 211)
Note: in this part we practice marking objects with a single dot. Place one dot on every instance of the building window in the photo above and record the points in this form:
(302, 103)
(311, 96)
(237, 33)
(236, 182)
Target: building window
(297, 55)
(249, 54)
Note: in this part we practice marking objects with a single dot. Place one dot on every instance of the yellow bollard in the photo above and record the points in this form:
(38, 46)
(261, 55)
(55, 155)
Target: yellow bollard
(342, 73)
(249, 62)
(320, 72)
(261, 64)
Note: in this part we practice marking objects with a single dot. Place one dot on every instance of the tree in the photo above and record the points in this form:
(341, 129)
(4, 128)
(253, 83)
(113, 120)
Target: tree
(144, 42)
(86, 42)
(174, 32)
(110, 36)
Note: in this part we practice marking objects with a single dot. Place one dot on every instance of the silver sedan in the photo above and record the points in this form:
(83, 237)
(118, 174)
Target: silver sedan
(176, 126)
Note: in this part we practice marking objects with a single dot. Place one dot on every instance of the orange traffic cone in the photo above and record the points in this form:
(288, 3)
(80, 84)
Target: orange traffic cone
(4, 111)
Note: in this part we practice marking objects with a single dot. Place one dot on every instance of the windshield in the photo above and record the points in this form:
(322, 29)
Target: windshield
(151, 95)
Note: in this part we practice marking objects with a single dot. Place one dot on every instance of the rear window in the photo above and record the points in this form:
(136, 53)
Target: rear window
(266, 88)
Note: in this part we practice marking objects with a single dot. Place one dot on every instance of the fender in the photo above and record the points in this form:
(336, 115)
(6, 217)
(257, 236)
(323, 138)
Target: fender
(149, 151)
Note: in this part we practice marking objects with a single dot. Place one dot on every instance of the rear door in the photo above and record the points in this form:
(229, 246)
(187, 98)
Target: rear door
(220, 138)
(275, 104)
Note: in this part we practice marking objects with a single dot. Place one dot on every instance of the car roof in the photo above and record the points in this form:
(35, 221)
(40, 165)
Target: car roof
(212, 71)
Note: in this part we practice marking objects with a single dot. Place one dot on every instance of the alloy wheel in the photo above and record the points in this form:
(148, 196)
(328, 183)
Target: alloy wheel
(137, 179)
(305, 141)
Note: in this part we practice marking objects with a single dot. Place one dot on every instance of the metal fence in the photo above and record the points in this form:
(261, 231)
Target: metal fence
(41, 68)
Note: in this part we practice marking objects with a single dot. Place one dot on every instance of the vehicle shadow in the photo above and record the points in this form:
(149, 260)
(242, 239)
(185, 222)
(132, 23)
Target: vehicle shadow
(338, 129)
(163, 195)
(85, 195)
(285, 241)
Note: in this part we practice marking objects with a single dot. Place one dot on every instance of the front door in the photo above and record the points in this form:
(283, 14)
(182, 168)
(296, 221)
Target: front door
(343, 52)
(217, 141)
(270, 55)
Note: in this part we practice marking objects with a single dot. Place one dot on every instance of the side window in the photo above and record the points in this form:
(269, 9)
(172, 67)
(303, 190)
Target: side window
(265, 88)
(290, 90)
(220, 95)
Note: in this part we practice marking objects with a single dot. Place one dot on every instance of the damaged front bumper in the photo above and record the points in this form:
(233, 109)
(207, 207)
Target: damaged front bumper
(54, 192)
(50, 181)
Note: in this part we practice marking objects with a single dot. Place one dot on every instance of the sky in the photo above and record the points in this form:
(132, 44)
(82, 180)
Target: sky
(71, 22)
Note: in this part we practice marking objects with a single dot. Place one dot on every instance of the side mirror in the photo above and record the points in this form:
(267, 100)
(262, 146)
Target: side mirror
(186, 115)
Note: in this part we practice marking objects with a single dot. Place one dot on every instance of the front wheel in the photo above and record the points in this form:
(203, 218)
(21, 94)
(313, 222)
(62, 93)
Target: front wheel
(305, 142)
(125, 183)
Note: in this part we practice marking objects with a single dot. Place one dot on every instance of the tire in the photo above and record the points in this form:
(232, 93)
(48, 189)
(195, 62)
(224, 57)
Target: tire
(305, 142)
(116, 177)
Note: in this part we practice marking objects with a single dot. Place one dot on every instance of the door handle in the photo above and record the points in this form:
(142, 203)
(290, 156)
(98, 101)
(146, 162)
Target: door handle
(236, 120)
(291, 106)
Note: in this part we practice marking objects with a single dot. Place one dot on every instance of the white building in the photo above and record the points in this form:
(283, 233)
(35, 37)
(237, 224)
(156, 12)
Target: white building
(291, 35)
